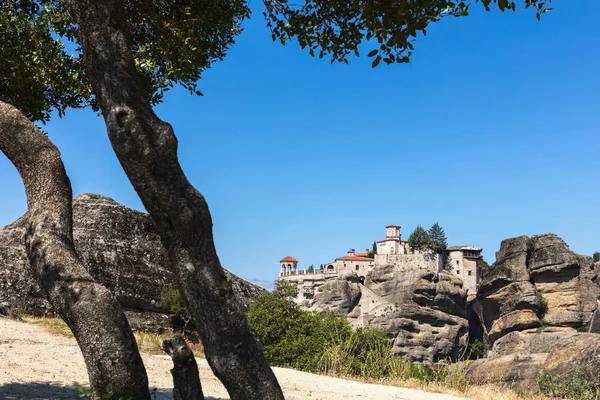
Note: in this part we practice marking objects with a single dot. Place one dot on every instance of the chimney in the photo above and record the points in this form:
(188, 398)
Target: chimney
(351, 252)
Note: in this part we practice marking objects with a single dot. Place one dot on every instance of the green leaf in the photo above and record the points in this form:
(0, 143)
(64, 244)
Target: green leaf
(376, 62)
(372, 53)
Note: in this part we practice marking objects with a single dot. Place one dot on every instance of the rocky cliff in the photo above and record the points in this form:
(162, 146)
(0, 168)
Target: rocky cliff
(536, 306)
(120, 248)
(423, 312)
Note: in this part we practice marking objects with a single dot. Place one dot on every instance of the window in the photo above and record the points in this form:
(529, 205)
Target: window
(456, 262)
(470, 272)
(357, 267)
(457, 272)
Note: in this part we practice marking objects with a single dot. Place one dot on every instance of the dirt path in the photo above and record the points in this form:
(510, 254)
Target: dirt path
(37, 365)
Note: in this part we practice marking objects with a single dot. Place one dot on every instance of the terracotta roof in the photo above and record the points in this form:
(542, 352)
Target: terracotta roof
(288, 259)
(457, 248)
(354, 258)
(390, 240)
(361, 254)
(393, 226)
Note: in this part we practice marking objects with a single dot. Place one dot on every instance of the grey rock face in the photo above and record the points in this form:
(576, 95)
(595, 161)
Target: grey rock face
(424, 313)
(339, 296)
(429, 321)
(537, 281)
(534, 306)
(119, 246)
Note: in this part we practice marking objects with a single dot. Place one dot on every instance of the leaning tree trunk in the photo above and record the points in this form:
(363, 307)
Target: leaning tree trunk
(147, 150)
(90, 310)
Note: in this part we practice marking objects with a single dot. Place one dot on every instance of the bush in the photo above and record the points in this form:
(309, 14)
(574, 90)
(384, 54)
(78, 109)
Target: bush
(171, 300)
(476, 350)
(291, 337)
(543, 305)
(325, 343)
(582, 386)
(17, 312)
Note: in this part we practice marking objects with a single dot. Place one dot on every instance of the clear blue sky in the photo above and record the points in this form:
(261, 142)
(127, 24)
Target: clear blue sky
(493, 130)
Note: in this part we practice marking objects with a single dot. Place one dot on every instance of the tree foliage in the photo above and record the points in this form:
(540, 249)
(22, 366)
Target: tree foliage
(596, 256)
(373, 250)
(419, 239)
(439, 242)
(291, 337)
(338, 28)
(172, 42)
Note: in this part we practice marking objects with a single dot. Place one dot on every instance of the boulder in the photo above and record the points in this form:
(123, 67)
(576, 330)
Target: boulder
(536, 282)
(339, 296)
(519, 359)
(538, 307)
(424, 313)
(119, 246)
(428, 322)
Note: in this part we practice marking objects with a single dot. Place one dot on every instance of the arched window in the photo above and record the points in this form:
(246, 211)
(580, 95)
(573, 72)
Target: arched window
(330, 268)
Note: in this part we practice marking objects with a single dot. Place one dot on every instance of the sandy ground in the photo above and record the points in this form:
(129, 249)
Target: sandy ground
(37, 365)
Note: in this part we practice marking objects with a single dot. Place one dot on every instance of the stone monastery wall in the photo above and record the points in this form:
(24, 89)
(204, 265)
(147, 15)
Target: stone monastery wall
(411, 262)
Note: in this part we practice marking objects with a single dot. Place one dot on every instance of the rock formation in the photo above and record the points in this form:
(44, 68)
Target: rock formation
(422, 311)
(119, 246)
(536, 306)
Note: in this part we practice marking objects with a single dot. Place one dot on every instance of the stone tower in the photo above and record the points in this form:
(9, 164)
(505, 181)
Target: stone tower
(288, 266)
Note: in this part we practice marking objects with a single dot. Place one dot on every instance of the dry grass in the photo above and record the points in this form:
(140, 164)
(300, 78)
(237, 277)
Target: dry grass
(483, 392)
(150, 343)
(54, 325)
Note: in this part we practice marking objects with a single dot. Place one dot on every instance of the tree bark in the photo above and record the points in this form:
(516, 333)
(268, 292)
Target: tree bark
(186, 378)
(147, 150)
(89, 309)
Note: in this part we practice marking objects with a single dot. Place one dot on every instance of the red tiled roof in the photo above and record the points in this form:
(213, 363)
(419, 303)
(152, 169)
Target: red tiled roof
(288, 259)
(362, 254)
(354, 258)
(393, 226)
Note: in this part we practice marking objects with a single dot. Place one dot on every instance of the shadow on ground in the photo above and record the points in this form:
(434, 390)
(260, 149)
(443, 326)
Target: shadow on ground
(49, 391)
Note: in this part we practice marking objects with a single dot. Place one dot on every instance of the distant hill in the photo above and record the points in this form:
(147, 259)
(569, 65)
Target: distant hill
(269, 285)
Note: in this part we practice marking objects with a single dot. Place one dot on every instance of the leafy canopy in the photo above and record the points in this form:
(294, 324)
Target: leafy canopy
(337, 28)
(596, 256)
(419, 239)
(172, 41)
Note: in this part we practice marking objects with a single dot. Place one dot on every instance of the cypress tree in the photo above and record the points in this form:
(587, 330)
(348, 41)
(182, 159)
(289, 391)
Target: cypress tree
(438, 238)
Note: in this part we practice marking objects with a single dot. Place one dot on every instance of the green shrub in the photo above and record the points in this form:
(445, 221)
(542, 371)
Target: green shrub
(171, 300)
(543, 305)
(17, 312)
(325, 343)
(581, 386)
(291, 337)
(476, 350)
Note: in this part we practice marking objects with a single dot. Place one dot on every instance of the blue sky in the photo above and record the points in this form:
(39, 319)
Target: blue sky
(493, 130)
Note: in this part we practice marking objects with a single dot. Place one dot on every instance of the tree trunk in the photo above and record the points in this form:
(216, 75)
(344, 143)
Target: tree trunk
(147, 150)
(186, 378)
(90, 310)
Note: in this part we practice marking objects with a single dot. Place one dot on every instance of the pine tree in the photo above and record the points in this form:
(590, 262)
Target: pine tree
(419, 239)
(438, 238)
(596, 256)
